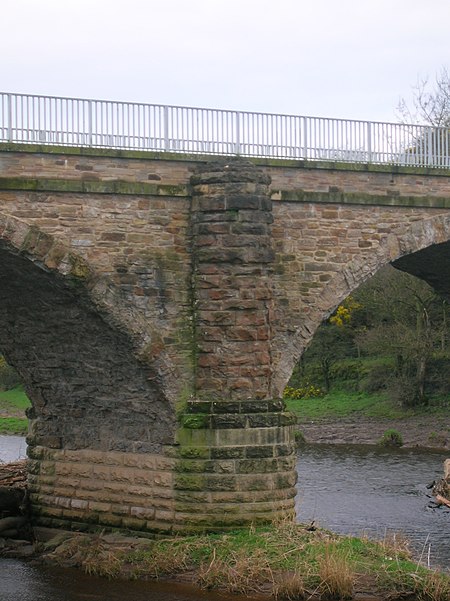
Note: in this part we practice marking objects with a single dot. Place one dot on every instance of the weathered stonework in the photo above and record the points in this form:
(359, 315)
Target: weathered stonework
(236, 459)
(232, 255)
(155, 306)
(236, 464)
(82, 489)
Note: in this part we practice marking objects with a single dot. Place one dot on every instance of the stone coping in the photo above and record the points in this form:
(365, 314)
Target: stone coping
(203, 158)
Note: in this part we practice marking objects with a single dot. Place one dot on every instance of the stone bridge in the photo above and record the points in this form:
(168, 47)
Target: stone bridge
(155, 306)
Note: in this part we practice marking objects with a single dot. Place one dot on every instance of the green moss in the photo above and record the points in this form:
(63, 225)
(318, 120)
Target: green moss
(168, 190)
(195, 421)
(194, 452)
(104, 152)
(79, 268)
(188, 482)
(91, 186)
(199, 437)
(40, 184)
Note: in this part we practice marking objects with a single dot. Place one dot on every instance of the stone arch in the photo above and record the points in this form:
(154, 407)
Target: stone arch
(423, 250)
(67, 333)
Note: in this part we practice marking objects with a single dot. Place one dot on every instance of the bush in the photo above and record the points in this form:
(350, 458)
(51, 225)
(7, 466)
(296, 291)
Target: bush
(299, 438)
(377, 379)
(437, 381)
(9, 378)
(391, 438)
(306, 391)
(308, 371)
(403, 390)
(347, 370)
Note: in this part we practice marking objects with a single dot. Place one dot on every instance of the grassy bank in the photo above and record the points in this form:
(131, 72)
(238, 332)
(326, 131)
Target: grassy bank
(342, 404)
(13, 404)
(285, 561)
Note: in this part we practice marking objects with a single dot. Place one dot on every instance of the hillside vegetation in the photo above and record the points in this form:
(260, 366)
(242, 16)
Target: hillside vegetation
(384, 352)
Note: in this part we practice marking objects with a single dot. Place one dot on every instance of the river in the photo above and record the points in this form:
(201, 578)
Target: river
(358, 490)
(348, 489)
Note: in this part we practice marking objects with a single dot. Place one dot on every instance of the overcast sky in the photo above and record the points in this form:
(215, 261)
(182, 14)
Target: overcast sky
(337, 58)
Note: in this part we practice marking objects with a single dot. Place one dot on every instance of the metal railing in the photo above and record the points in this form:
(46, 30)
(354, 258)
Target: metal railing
(79, 122)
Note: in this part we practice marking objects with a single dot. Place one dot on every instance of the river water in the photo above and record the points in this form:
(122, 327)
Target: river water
(367, 490)
(348, 489)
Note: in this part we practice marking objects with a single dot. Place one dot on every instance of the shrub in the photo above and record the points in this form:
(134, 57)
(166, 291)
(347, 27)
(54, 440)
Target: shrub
(9, 378)
(305, 391)
(299, 438)
(347, 370)
(391, 438)
(377, 379)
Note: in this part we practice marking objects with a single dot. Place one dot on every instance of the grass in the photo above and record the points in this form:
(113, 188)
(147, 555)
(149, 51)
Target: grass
(391, 438)
(346, 403)
(284, 560)
(14, 425)
(12, 411)
(15, 398)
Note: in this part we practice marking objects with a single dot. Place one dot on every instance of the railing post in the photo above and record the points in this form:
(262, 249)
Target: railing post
(166, 127)
(237, 147)
(305, 137)
(90, 133)
(431, 147)
(9, 116)
(369, 142)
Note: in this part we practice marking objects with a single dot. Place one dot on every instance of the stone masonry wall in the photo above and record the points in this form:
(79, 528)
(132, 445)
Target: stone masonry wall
(85, 489)
(129, 220)
(232, 281)
(324, 251)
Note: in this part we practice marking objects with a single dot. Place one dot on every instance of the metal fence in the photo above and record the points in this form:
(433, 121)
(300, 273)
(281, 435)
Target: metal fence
(79, 122)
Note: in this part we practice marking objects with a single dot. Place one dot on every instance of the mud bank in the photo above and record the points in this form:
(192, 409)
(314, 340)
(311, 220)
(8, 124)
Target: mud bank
(425, 431)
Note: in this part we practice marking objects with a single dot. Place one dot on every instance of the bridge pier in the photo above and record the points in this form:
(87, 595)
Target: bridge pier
(236, 462)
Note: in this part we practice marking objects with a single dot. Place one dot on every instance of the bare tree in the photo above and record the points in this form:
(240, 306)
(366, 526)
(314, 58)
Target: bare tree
(409, 324)
(430, 102)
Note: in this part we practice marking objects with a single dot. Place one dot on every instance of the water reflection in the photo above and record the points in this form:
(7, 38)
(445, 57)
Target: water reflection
(28, 583)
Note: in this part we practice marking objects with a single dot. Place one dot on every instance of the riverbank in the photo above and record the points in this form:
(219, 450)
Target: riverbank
(282, 561)
(426, 431)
